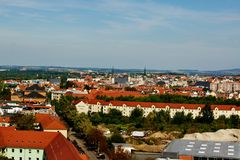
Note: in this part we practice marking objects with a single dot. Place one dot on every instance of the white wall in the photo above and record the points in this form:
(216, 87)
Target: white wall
(26, 153)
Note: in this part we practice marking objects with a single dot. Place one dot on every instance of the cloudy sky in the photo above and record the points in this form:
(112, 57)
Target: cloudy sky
(159, 34)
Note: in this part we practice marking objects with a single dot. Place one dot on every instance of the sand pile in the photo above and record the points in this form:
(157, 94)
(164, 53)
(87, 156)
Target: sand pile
(220, 135)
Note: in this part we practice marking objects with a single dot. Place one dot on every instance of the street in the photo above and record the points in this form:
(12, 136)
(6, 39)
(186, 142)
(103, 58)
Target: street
(90, 154)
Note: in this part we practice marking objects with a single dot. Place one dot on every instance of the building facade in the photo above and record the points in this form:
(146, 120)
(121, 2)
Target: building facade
(126, 108)
(37, 145)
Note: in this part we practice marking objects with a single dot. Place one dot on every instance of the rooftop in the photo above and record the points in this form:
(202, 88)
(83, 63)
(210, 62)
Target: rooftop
(50, 122)
(216, 149)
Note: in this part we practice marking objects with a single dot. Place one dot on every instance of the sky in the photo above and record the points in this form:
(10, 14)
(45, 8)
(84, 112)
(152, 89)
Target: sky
(158, 34)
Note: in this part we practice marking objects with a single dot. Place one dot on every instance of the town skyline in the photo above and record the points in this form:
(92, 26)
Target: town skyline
(125, 34)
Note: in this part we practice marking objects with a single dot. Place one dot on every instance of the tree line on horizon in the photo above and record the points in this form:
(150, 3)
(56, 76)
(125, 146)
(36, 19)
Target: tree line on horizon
(169, 98)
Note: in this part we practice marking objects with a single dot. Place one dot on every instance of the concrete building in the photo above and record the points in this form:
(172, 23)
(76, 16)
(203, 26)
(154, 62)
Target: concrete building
(56, 95)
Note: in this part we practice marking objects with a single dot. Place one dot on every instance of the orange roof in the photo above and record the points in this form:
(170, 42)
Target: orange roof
(50, 122)
(4, 119)
(55, 145)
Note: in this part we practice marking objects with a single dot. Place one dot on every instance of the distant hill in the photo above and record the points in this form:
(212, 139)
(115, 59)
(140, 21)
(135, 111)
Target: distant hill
(235, 71)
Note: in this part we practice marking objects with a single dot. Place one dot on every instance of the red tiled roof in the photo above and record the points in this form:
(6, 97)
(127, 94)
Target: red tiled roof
(161, 105)
(56, 151)
(50, 122)
(56, 146)
(25, 139)
(224, 107)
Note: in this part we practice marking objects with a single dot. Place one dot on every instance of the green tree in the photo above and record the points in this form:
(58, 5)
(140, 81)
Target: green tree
(234, 121)
(117, 138)
(149, 121)
(63, 82)
(5, 93)
(95, 137)
(162, 117)
(2, 157)
(206, 114)
(113, 117)
(179, 118)
(23, 122)
(96, 118)
(136, 115)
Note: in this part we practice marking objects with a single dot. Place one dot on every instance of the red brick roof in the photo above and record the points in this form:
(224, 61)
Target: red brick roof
(55, 145)
(50, 122)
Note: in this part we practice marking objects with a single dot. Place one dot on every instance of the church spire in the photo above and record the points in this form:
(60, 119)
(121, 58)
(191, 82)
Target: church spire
(145, 71)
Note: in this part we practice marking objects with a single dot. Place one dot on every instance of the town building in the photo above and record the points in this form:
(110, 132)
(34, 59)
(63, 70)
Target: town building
(4, 121)
(35, 145)
(126, 107)
(30, 94)
(50, 123)
(124, 146)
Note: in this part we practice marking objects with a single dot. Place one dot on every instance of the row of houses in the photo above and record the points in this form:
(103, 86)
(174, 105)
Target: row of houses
(91, 106)
(13, 108)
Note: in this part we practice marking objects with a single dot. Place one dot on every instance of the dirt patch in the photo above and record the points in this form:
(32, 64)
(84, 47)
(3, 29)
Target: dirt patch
(155, 142)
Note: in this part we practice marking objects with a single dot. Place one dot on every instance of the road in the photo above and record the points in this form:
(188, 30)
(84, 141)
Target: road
(91, 155)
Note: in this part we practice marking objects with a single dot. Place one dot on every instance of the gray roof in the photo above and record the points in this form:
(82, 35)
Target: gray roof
(210, 149)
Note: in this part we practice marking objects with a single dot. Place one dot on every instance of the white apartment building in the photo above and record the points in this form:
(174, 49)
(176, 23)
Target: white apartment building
(127, 107)
(225, 86)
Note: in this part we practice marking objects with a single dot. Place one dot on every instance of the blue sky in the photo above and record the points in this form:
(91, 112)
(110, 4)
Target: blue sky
(169, 34)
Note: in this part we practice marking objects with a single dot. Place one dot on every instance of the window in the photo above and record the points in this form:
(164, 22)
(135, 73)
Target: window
(30, 151)
(20, 158)
(29, 158)
(20, 150)
(37, 151)
(12, 150)
(37, 158)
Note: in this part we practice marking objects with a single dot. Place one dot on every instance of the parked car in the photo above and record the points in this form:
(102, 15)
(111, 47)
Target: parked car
(92, 147)
(100, 156)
